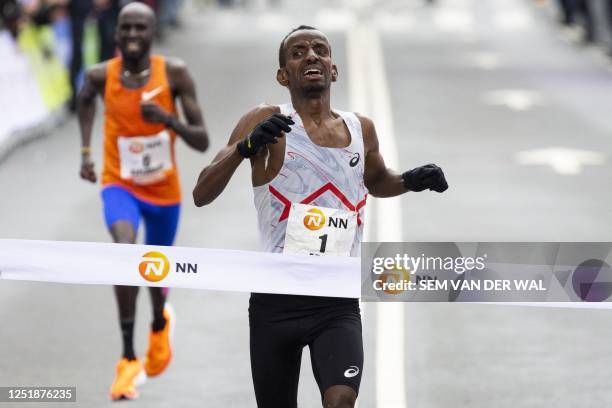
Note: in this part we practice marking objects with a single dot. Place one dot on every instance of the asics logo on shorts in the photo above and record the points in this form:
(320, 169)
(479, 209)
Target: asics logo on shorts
(351, 372)
(154, 266)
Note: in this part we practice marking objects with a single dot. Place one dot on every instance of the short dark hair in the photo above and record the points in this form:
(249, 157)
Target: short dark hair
(282, 50)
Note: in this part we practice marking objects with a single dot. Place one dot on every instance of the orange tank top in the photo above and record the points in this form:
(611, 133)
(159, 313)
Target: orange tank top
(138, 155)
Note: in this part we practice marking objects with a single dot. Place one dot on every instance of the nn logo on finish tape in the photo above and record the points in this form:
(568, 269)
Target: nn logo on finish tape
(155, 266)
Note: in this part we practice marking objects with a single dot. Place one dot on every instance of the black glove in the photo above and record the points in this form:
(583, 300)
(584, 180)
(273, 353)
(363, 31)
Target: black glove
(265, 132)
(429, 176)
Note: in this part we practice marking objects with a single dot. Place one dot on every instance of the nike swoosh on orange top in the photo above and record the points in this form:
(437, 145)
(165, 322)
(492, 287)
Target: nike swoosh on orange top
(147, 96)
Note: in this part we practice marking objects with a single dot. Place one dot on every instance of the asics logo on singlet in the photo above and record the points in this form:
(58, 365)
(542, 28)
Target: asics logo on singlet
(351, 372)
(154, 266)
(354, 160)
(314, 220)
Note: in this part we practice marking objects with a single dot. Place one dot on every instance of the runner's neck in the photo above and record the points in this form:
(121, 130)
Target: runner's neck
(315, 110)
(136, 68)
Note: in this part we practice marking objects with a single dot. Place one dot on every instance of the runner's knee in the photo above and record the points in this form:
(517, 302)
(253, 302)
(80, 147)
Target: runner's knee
(339, 396)
(123, 232)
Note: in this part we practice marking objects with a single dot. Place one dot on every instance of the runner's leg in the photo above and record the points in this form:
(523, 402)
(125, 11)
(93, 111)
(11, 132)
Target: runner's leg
(122, 218)
(337, 358)
(161, 223)
(276, 356)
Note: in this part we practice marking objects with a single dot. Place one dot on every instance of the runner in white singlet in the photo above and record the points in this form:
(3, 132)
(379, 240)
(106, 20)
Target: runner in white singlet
(312, 169)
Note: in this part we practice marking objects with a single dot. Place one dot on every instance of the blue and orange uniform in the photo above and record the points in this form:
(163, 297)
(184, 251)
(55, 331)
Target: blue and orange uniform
(140, 177)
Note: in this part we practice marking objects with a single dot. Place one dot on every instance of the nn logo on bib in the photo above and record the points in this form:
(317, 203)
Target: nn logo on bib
(136, 147)
(315, 220)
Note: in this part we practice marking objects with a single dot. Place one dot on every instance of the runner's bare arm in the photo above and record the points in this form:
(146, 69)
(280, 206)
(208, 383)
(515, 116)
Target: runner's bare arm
(95, 79)
(194, 131)
(382, 182)
(214, 178)
(379, 180)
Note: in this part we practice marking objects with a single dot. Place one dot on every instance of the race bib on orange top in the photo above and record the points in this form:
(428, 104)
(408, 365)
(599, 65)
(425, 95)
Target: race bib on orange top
(145, 159)
(315, 230)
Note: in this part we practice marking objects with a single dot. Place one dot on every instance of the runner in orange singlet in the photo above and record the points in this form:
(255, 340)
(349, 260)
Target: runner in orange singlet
(139, 176)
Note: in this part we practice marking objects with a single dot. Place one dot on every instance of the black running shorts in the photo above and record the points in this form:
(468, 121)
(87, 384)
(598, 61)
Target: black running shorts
(280, 327)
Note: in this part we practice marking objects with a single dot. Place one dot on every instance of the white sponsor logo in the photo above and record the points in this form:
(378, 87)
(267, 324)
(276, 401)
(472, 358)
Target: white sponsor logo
(147, 96)
(352, 371)
(154, 265)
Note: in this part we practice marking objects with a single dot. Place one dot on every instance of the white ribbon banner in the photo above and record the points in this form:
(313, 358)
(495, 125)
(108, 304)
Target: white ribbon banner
(146, 265)
(196, 268)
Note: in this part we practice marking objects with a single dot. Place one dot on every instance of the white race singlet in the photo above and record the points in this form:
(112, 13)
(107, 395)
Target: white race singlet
(330, 178)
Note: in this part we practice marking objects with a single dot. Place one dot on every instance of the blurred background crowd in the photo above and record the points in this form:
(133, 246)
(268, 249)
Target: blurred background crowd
(58, 38)
(79, 26)
(592, 17)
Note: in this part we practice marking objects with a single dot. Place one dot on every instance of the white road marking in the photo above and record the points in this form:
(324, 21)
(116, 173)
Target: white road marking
(329, 19)
(513, 20)
(359, 103)
(394, 22)
(369, 93)
(356, 3)
(271, 22)
(358, 71)
(519, 100)
(563, 160)
(454, 20)
(487, 61)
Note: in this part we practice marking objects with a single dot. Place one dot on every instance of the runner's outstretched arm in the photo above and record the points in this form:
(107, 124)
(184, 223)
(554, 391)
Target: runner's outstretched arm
(383, 182)
(86, 112)
(253, 131)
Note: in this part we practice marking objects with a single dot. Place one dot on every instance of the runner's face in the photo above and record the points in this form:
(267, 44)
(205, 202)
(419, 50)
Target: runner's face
(309, 65)
(134, 35)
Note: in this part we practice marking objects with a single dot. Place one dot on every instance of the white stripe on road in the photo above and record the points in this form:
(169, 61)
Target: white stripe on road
(513, 19)
(454, 20)
(563, 160)
(369, 94)
(487, 61)
(333, 19)
(519, 100)
(359, 103)
(357, 73)
(390, 373)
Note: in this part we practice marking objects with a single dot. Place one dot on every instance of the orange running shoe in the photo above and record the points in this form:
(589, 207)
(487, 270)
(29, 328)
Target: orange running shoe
(129, 375)
(160, 346)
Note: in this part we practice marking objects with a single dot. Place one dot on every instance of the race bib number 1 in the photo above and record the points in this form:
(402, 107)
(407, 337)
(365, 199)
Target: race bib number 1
(320, 231)
(145, 159)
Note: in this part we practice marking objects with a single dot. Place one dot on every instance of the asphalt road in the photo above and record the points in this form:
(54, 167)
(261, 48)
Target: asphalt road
(472, 85)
